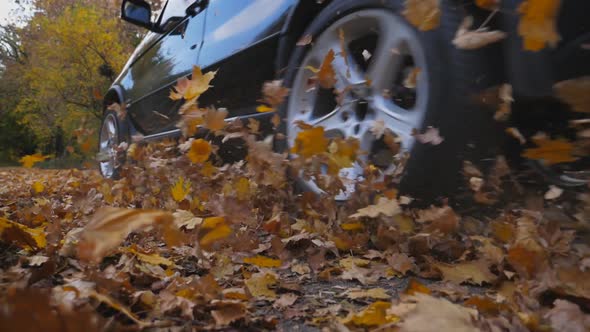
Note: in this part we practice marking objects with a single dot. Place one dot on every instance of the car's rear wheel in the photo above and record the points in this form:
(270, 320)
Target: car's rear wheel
(376, 50)
(111, 135)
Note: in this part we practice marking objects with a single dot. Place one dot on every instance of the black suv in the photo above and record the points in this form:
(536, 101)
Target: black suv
(376, 49)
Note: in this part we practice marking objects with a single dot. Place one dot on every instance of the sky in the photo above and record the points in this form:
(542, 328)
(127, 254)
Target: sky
(8, 9)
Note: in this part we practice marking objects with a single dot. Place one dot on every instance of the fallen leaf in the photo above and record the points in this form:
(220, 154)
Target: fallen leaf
(538, 23)
(38, 187)
(227, 313)
(423, 14)
(186, 219)
(180, 189)
(433, 312)
(387, 207)
(21, 235)
(286, 300)
(373, 315)
(212, 230)
(259, 285)
(373, 293)
(414, 287)
(262, 261)
(472, 272)
(153, 259)
(567, 316)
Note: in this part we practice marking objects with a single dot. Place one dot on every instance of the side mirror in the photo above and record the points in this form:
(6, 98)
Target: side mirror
(138, 12)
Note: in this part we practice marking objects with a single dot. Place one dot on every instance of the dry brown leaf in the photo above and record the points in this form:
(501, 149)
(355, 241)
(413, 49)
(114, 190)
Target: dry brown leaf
(473, 272)
(285, 301)
(466, 39)
(227, 313)
(259, 285)
(110, 226)
(440, 314)
(551, 151)
(373, 315)
(373, 293)
(21, 235)
(567, 316)
(387, 207)
(574, 92)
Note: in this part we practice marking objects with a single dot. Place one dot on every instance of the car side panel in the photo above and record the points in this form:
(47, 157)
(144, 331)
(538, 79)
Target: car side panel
(241, 42)
(148, 81)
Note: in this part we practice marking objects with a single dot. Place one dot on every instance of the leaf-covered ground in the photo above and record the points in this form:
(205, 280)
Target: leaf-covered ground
(183, 245)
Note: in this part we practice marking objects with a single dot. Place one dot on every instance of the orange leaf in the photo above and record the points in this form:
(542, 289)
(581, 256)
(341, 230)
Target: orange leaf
(326, 74)
(200, 151)
(423, 14)
(192, 88)
(575, 93)
(373, 315)
(310, 142)
(537, 24)
(414, 286)
(212, 230)
(551, 151)
(262, 261)
(30, 160)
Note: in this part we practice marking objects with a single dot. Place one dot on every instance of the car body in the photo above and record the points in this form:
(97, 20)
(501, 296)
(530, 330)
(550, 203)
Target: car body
(249, 42)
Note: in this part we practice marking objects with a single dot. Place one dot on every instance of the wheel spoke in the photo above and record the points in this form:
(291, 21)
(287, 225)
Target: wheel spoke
(397, 119)
(332, 121)
(348, 72)
(387, 59)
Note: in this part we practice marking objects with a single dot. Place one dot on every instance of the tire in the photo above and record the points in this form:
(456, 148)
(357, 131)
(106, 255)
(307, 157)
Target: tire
(454, 76)
(108, 151)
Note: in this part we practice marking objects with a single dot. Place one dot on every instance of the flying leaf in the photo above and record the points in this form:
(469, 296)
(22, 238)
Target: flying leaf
(430, 136)
(264, 109)
(473, 39)
(110, 226)
(180, 189)
(432, 312)
(274, 93)
(262, 261)
(574, 92)
(551, 151)
(212, 230)
(215, 119)
(326, 74)
(423, 14)
(538, 23)
(192, 88)
(200, 151)
(373, 315)
(21, 235)
(38, 187)
(30, 160)
(310, 142)
(387, 207)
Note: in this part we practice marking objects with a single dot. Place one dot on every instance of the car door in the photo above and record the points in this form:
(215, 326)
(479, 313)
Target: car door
(148, 82)
(241, 42)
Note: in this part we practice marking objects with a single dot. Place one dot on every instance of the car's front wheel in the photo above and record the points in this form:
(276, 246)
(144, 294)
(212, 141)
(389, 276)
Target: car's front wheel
(111, 135)
(390, 73)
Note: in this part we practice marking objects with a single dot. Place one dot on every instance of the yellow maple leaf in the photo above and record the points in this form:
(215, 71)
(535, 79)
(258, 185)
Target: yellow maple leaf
(310, 142)
(215, 119)
(200, 151)
(153, 259)
(243, 189)
(23, 236)
(38, 187)
(538, 23)
(423, 14)
(326, 74)
(342, 154)
(180, 189)
(212, 230)
(551, 151)
(354, 226)
(258, 285)
(373, 315)
(264, 109)
(192, 88)
(262, 261)
(30, 160)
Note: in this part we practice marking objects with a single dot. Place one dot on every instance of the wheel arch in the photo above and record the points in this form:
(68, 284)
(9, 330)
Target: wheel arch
(114, 95)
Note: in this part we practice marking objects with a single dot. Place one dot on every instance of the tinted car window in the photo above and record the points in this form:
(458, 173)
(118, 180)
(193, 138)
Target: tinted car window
(174, 8)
